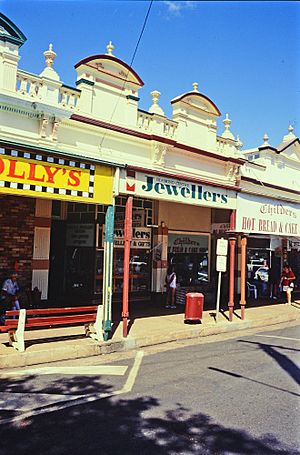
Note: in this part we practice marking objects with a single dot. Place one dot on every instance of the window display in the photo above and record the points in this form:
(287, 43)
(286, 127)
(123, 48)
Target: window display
(189, 253)
(139, 271)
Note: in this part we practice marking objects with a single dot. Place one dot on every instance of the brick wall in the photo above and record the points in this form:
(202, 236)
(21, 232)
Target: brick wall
(17, 217)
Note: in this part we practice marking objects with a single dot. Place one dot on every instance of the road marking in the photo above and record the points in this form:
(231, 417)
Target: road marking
(82, 399)
(23, 402)
(74, 370)
(133, 372)
(282, 338)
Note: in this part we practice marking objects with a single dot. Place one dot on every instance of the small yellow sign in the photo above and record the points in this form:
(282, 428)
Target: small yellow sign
(36, 175)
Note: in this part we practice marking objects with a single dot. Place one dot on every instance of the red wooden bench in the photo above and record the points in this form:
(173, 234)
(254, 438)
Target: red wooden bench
(17, 321)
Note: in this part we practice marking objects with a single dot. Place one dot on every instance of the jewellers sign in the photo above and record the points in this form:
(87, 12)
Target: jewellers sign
(141, 238)
(175, 190)
(267, 216)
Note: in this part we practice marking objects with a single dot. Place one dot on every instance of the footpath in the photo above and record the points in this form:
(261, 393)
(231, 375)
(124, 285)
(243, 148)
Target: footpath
(43, 346)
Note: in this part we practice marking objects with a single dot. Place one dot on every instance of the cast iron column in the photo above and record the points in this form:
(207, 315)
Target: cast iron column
(127, 240)
(232, 242)
(243, 275)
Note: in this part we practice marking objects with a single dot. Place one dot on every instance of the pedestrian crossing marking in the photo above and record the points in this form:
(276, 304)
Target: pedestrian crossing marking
(111, 370)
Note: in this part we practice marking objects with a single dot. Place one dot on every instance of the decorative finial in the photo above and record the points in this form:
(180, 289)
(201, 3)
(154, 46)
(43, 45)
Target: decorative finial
(48, 71)
(195, 86)
(290, 136)
(50, 56)
(266, 140)
(155, 108)
(239, 143)
(227, 134)
(155, 96)
(110, 47)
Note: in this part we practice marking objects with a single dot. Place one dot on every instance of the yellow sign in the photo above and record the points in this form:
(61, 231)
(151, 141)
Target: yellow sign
(35, 175)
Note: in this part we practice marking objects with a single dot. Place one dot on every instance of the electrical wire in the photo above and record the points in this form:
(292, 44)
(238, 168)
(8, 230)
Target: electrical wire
(131, 63)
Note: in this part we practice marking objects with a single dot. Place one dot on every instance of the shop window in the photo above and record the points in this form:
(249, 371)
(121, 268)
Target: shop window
(259, 261)
(74, 217)
(189, 253)
(139, 271)
(137, 203)
(70, 207)
(56, 208)
(87, 217)
(148, 204)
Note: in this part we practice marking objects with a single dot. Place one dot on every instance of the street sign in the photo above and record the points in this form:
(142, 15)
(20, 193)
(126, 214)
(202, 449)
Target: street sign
(222, 247)
(221, 263)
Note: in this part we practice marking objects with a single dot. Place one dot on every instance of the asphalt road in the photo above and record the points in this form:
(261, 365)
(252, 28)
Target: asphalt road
(230, 396)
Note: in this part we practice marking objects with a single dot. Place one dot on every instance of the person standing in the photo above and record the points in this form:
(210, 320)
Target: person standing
(287, 282)
(10, 291)
(274, 277)
(171, 287)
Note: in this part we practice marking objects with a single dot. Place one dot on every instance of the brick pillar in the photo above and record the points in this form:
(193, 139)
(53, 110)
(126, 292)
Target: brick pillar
(160, 258)
(41, 246)
(16, 236)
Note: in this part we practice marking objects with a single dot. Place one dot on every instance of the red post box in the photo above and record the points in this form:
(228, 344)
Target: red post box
(193, 307)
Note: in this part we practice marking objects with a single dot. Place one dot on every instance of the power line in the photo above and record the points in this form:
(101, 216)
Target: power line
(131, 63)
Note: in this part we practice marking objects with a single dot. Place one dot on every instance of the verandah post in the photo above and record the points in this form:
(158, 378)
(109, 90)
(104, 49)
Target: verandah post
(108, 270)
(243, 275)
(127, 241)
(232, 243)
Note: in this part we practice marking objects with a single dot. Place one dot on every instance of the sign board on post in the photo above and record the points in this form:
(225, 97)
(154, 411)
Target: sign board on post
(222, 247)
(221, 263)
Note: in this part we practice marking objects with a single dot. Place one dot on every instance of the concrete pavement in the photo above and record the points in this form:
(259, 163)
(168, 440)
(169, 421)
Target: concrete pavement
(70, 343)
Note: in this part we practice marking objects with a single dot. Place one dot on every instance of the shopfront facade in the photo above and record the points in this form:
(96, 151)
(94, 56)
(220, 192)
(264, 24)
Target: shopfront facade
(268, 212)
(272, 227)
(58, 140)
(33, 183)
(183, 232)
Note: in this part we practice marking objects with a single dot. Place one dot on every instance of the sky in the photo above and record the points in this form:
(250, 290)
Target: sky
(245, 56)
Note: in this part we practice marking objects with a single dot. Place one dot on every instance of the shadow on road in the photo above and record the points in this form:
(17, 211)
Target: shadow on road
(283, 361)
(115, 425)
(240, 376)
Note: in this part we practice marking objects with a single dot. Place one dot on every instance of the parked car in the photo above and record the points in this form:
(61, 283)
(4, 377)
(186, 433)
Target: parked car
(262, 273)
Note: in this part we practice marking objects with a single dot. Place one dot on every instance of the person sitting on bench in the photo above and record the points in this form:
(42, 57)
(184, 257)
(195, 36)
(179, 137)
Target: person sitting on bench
(10, 292)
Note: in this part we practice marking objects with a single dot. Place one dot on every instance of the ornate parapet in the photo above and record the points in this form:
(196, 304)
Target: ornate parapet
(156, 124)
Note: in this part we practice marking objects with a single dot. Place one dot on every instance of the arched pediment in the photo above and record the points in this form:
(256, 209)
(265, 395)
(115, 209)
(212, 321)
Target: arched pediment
(111, 66)
(197, 100)
(10, 32)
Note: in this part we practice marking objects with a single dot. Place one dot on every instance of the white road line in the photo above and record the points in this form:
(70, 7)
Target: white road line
(74, 370)
(133, 372)
(275, 336)
(82, 400)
